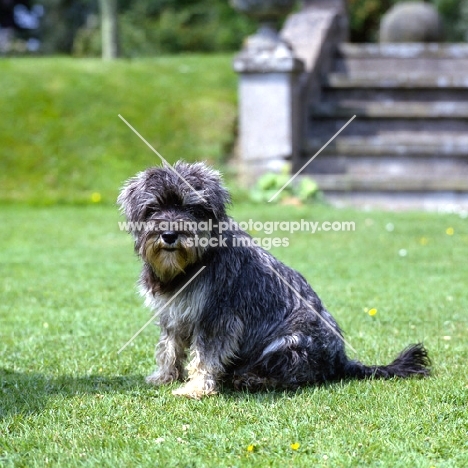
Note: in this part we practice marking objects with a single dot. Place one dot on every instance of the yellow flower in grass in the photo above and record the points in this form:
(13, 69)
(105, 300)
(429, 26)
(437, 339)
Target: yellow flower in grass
(96, 197)
(372, 312)
(449, 231)
(251, 448)
(295, 446)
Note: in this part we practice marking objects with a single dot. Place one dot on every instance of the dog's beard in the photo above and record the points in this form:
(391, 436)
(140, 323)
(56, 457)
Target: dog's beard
(168, 261)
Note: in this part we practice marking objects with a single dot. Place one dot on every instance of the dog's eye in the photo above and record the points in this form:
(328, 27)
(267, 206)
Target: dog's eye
(197, 211)
(148, 211)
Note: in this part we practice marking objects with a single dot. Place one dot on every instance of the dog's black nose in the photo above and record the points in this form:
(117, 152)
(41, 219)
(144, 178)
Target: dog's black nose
(169, 237)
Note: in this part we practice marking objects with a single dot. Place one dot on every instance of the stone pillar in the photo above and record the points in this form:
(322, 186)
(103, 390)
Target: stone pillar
(269, 133)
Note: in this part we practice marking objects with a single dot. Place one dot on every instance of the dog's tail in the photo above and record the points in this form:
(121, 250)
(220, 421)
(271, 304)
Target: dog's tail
(413, 360)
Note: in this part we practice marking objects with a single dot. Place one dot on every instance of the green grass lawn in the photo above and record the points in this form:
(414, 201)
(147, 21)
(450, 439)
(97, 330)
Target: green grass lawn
(68, 297)
(61, 139)
(69, 303)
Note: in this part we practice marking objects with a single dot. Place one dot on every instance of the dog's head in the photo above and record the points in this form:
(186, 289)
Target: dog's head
(169, 212)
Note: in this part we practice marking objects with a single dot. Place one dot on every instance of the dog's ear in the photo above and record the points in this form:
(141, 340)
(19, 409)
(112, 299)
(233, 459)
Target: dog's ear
(208, 186)
(131, 199)
(218, 197)
(216, 194)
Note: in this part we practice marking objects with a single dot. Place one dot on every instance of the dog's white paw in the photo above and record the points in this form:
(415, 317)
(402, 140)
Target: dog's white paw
(196, 389)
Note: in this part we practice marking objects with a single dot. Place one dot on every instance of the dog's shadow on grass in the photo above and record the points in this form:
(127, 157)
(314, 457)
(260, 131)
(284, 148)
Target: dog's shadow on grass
(269, 395)
(28, 393)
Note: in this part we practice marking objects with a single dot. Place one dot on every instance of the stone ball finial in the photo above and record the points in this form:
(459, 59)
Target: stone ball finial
(411, 22)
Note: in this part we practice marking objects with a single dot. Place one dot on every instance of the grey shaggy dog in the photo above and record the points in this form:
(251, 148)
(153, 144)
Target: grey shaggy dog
(245, 319)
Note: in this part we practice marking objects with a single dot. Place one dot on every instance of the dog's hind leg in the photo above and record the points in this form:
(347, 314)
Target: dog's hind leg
(291, 361)
(253, 383)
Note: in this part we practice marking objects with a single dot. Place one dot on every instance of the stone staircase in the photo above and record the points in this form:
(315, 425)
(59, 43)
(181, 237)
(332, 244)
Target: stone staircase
(409, 140)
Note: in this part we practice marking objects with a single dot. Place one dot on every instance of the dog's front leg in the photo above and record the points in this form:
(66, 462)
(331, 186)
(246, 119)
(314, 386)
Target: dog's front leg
(203, 375)
(170, 355)
(211, 351)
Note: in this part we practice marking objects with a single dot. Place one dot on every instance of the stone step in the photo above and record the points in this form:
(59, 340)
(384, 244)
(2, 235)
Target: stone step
(361, 126)
(404, 51)
(422, 144)
(432, 59)
(395, 155)
(407, 87)
(389, 183)
(441, 201)
(383, 65)
(394, 94)
(394, 79)
(390, 109)
(388, 165)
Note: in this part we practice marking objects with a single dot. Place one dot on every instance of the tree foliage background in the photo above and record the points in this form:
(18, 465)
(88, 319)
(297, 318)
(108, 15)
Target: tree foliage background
(147, 27)
(151, 27)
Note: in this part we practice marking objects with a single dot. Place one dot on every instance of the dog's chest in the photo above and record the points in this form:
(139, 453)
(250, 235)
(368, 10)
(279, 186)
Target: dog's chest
(179, 311)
